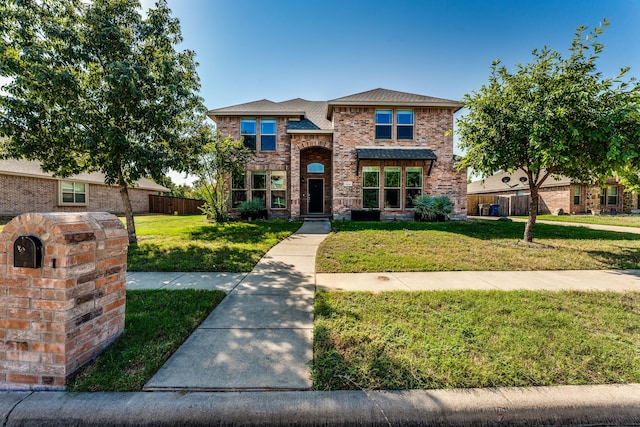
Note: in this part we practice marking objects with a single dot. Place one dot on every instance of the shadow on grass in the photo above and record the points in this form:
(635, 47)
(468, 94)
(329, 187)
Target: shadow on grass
(153, 257)
(487, 230)
(243, 232)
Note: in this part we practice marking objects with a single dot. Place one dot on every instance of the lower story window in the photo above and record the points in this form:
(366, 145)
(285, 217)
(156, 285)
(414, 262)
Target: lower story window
(238, 189)
(392, 187)
(576, 194)
(278, 190)
(259, 186)
(413, 185)
(73, 193)
(612, 195)
(371, 187)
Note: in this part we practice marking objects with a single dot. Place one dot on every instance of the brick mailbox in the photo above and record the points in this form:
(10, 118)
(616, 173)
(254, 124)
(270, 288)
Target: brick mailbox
(62, 295)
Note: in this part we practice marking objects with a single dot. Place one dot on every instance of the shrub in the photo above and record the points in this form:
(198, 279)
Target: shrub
(432, 208)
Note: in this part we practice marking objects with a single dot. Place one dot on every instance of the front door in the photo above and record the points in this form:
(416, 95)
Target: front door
(316, 195)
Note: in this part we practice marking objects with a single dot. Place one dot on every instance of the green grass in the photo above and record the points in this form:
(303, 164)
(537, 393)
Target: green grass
(157, 323)
(355, 247)
(621, 221)
(189, 243)
(462, 339)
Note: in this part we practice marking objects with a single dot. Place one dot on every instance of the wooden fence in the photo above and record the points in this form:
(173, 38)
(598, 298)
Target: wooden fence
(171, 205)
(509, 205)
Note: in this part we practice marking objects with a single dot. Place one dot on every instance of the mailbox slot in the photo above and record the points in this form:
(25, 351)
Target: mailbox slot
(27, 252)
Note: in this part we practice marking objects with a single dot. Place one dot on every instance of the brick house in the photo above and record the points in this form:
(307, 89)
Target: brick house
(557, 192)
(24, 187)
(373, 150)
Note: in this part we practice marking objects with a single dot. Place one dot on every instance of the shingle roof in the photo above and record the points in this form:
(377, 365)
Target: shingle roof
(391, 97)
(261, 107)
(384, 153)
(32, 169)
(304, 124)
(514, 181)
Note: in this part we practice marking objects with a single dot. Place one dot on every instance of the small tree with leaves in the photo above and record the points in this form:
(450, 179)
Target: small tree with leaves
(95, 86)
(554, 116)
(222, 159)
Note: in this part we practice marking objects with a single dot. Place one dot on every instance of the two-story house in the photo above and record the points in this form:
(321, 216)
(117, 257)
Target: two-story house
(372, 150)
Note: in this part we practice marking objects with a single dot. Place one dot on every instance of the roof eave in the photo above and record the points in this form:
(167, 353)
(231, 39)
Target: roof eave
(456, 105)
(311, 131)
(214, 113)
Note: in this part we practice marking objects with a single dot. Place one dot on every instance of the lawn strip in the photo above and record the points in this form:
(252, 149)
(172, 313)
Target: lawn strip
(357, 247)
(464, 339)
(157, 323)
(190, 243)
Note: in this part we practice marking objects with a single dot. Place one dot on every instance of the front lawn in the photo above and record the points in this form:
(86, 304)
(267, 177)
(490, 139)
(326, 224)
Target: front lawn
(189, 243)
(462, 339)
(355, 247)
(157, 322)
(621, 221)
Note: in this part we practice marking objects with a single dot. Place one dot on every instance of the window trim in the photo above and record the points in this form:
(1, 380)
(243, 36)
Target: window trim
(61, 201)
(254, 146)
(577, 198)
(235, 189)
(385, 125)
(264, 190)
(365, 170)
(406, 186)
(398, 125)
(274, 134)
(609, 196)
(388, 187)
(283, 189)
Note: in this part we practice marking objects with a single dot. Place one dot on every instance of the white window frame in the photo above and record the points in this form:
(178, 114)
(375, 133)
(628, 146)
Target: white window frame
(75, 192)
(408, 169)
(371, 169)
(398, 170)
(281, 188)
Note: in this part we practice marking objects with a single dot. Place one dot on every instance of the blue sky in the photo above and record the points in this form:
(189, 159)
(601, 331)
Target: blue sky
(320, 50)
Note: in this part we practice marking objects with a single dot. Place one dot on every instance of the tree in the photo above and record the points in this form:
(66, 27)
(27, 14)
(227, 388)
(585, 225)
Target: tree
(554, 116)
(222, 159)
(96, 87)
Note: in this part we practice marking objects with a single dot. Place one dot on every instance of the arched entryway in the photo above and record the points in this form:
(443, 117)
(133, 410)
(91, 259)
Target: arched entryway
(316, 185)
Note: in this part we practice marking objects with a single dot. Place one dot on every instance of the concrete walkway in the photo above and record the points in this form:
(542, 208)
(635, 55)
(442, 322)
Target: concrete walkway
(260, 337)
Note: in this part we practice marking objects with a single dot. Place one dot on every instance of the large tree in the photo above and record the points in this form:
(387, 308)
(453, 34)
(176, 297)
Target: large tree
(222, 160)
(554, 116)
(95, 86)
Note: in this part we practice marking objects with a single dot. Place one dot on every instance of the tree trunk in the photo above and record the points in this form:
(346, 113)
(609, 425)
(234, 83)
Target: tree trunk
(128, 213)
(533, 214)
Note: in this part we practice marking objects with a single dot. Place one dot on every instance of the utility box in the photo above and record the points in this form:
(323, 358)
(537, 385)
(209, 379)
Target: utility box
(62, 295)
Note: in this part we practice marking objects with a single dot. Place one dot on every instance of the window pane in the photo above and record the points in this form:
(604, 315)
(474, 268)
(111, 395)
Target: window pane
(414, 177)
(392, 177)
(258, 180)
(370, 198)
(315, 168)
(250, 141)
(267, 142)
(67, 197)
(248, 126)
(267, 127)
(278, 199)
(405, 132)
(67, 187)
(278, 180)
(392, 198)
(80, 198)
(237, 197)
(79, 187)
(370, 177)
(259, 194)
(383, 132)
(239, 180)
(411, 194)
(404, 117)
(603, 196)
(383, 117)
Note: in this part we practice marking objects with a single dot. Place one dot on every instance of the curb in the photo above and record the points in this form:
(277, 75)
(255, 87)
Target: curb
(563, 405)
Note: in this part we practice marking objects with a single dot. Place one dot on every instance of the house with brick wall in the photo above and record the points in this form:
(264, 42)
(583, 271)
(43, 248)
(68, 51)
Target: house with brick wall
(24, 187)
(557, 192)
(375, 150)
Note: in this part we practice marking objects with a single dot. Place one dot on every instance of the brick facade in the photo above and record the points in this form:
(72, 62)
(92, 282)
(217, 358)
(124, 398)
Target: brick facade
(57, 317)
(22, 194)
(334, 146)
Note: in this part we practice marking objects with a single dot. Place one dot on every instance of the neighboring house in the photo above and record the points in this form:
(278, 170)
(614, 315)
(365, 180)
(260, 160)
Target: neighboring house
(557, 192)
(372, 150)
(24, 187)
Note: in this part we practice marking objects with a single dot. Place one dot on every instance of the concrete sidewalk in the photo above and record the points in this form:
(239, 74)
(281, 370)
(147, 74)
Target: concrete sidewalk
(260, 337)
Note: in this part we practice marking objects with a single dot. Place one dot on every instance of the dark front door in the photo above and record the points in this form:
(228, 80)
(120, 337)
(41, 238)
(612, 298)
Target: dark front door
(316, 195)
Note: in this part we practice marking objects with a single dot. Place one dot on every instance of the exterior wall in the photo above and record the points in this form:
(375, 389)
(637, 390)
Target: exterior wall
(310, 149)
(355, 127)
(25, 194)
(278, 160)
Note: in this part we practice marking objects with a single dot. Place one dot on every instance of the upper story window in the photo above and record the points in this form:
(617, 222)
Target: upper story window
(73, 193)
(384, 122)
(267, 134)
(248, 132)
(404, 124)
